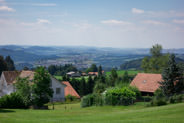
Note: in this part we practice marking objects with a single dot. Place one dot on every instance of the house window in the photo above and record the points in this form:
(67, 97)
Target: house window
(58, 90)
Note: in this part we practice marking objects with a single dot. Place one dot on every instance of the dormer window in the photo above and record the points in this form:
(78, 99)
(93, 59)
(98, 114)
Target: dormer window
(144, 81)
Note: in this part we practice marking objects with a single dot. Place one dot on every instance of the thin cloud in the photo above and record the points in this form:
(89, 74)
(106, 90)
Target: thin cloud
(6, 8)
(178, 21)
(153, 22)
(115, 22)
(44, 4)
(43, 21)
(137, 11)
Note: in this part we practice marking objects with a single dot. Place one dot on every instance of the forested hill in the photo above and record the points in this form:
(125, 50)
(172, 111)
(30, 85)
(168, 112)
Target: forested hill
(136, 64)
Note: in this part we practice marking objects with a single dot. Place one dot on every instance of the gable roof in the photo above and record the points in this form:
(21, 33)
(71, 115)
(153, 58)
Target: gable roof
(69, 90)
(147, 82)
(10, 76)
(27, 73)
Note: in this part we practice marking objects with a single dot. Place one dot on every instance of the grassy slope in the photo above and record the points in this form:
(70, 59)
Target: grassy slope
(121, 72)
(119, 114)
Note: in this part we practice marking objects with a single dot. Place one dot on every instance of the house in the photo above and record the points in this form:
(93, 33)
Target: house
(8, 78)
(94, 73)
(147, 83)
(69, 90)
(73, 74)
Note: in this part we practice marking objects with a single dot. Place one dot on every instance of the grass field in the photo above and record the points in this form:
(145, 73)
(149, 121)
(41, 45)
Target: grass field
(119, 72)
(137, 113)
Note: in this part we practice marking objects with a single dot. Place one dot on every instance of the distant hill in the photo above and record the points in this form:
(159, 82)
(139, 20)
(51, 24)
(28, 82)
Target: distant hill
(136, 64)
(80, 56)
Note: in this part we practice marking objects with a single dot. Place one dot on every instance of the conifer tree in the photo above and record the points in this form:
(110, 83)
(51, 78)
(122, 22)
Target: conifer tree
(172, 78)
(10, 63)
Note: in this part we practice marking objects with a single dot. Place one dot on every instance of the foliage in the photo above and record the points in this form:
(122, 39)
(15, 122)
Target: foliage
(173, 81)
(92, 68)
(176, 98)
(41, 89)
(90, 85)
(92, 99)
(61, 70)
(159, 98)
(70, 98)
(10, 63)
(136, 90)
(3, 65)
(23, 88)
(157, 62)
(133, 64)
(119, 96)
(14, 100)
(99, 87)
(83, 88)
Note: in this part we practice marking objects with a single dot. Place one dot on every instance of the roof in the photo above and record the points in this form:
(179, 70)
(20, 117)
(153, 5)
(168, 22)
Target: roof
(29, 74)
(147, 82)
(10, 76)
(94, 73)
(69, 90)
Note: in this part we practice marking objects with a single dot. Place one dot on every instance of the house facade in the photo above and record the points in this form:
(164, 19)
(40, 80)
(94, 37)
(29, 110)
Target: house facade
(147, 83)
(8, 78)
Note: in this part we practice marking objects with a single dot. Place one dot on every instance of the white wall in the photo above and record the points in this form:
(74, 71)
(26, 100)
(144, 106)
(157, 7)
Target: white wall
(57, 84)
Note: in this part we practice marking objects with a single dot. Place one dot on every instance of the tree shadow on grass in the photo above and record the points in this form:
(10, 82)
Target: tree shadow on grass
(6, 111)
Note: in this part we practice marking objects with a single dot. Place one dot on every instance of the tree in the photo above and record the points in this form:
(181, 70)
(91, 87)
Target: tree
(23, 88)
(100, 70)
(172, 78)
(156, 50)
(41, 88)
(90, 85)
(82, 87)
(93, 68)
(10, 63)
(113, 77)
(3, 65)
(126, 78)
(156, 62)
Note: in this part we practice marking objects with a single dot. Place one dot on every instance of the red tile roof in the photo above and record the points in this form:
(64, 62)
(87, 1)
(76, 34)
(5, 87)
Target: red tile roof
(147, 82)
(69, 90)
(10, 76)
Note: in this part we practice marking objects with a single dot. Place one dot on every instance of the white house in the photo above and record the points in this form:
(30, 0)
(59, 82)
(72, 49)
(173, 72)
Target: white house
(8, 78)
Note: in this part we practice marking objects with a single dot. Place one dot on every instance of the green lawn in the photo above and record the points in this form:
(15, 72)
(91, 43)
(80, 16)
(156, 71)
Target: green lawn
(121, 72)
(173, 113)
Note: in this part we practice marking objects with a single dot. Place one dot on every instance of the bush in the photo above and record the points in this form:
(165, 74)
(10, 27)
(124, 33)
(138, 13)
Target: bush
(176, 98)
(146, 98)
(92, 99)
(14, 100)
(87, 100)
(119, 96)
(136, 90)
(70, 98)
(158, 99)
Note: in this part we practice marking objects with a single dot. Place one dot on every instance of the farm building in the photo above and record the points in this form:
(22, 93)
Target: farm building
(8, 78)
(147, 83)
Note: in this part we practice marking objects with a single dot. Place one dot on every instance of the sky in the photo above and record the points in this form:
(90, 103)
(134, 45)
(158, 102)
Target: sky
(99, 23)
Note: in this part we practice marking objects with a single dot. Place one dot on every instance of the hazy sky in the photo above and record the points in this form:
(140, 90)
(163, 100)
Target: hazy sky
(103, 23)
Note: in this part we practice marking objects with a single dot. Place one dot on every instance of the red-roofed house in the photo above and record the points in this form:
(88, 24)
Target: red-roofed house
(8, 78)
(69, 90)
(147, 83)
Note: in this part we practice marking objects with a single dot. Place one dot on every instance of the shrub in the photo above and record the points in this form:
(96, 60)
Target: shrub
(158, 99)
(146, 98)
(136, 90)
(119, 96)
(70, 98)
(87, 100)
(14, 100)
(92, 99)
(176, 98)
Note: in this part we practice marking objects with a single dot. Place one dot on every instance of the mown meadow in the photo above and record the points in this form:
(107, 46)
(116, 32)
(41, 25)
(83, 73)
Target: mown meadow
(73, 113)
